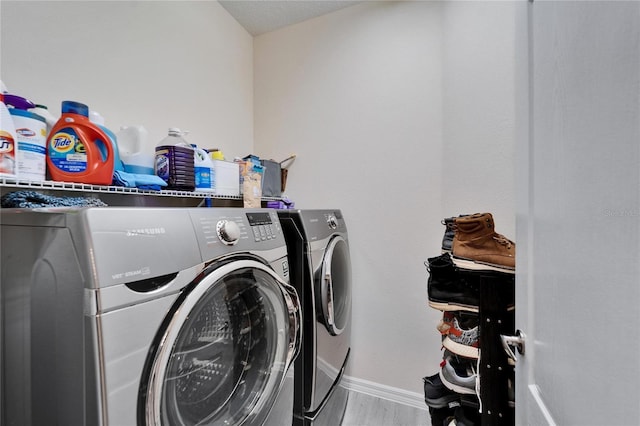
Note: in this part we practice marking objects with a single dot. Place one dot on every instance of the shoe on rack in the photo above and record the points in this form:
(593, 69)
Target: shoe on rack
(449, 288)
(477, 246)
(439, 415)
(437, 395)
(461, 419)
(449, 232)
(463, 340)
(461, 380)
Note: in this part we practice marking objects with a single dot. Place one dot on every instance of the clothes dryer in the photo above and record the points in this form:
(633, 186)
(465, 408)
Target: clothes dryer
(148, 316)
(318, 248)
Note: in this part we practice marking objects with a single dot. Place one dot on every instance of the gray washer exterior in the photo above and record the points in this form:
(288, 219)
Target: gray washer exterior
(75, 337)
(320, 397)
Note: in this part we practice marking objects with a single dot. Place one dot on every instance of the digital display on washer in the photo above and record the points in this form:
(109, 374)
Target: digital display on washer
(259, 219)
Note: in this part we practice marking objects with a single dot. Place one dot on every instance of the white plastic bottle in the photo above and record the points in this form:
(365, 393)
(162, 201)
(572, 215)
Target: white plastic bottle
(135, 157)
(31, 134)
(202, 169)
(8, 142)
(43, 112)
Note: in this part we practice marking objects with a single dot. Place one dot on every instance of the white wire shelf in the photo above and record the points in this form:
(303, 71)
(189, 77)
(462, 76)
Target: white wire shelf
(83, 187)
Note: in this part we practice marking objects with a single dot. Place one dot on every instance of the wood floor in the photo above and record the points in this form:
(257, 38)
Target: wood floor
(365, 410)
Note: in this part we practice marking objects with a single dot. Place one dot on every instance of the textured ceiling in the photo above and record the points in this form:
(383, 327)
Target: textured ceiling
(261, 16)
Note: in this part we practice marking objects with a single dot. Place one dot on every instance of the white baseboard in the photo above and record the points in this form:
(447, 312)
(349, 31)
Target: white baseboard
(389, 393)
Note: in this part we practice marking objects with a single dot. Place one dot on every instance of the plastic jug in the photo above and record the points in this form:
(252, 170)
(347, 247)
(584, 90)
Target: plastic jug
(97, 119)
(131, 142)
(31, 133)
(43, 112)
(79, 150)
(31, 136)
(202, 168)
(8, 142)
(174, 161)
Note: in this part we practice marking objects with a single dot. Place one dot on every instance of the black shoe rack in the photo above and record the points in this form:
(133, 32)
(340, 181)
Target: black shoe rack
(495, 404)
(497, 375)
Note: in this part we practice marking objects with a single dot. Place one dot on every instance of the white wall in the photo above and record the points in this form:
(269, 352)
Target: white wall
(357, 95)
(479, 59)
(160, 64)
(401, 113)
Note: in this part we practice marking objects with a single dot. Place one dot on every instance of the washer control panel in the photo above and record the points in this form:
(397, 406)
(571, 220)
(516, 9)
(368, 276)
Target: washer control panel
(224, 230)
(262, 226)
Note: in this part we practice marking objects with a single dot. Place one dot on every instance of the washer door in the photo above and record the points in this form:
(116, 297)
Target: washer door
(335, 286)
(225, 350)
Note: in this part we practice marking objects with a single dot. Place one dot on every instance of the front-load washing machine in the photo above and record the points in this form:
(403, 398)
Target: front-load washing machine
(147, 316)
(318, 248)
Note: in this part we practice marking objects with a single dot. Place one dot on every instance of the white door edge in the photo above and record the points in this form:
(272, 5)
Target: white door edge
(539, 413)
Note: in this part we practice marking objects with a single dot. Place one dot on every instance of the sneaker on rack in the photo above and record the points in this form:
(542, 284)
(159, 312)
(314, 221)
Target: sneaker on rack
(449, 288)
(458, 339)
(449, 233)
(461, 379)
(440, 415)
(437, 395)
(462, 419)
(456, 359)
(477, 246)
(462, 416)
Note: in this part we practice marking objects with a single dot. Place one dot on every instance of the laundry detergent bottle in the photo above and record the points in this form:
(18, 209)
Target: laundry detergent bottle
(202, 169)
(79, 150)
(8, 142)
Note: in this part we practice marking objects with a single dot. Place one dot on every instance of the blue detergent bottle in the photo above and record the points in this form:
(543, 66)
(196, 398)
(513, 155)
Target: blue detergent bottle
(203, 169)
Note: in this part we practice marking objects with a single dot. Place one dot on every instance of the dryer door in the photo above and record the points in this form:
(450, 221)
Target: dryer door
(335, 286)
(224, 350)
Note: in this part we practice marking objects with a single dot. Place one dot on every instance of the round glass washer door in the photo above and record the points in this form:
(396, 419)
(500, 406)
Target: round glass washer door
(335, 285)
(226, 349)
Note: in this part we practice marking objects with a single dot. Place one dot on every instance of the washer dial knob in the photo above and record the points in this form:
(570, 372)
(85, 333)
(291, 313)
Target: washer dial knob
(228, 232)
(332, 221)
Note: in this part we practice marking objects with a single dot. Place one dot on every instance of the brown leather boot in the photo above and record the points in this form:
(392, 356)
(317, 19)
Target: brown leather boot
(476, 245)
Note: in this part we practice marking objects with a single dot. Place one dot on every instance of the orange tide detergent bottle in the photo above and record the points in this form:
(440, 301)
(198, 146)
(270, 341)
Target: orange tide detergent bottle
(78, 150)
